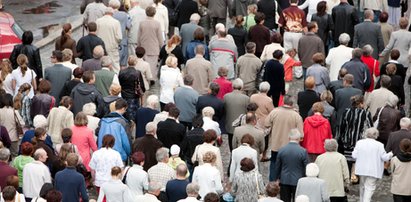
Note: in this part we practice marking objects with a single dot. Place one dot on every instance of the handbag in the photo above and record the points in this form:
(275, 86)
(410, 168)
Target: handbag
(137, 89)
(260, 195)
(173, 16)
(19, 128)
(125, 176)
(378, 118)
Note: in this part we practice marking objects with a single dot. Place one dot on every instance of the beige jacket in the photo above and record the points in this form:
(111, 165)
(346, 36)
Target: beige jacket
(378, 98)
(58, 119)
(7, 120)
(109, 30)
(265, 106)
(93, 12)
(248, 66)
(401, 175)
(204, 148)
(202, 72)
(150, 36)
(282, 120)
(334, 171)
(144, 68)
(257, 134)
(161, 16)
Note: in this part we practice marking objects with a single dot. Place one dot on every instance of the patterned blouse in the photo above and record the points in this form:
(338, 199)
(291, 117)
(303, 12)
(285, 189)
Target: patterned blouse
(247, 186)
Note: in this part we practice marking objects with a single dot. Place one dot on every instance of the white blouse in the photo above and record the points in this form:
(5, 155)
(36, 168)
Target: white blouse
(170, 79)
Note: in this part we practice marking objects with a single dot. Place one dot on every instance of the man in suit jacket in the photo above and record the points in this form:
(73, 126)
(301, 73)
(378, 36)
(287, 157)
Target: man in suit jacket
(150, 38)
(370, 33)
(380, 97)
(248, 67)
(249, 128)
(148, 144)
(58, 75)
(185, 98)
(359, 70)
(170, 132)
(201, 70)
(400, 40)
(290, 166)
(187, 31)
(211, 100)
(235, 104)
(395, 138)
(308, 45)
(345, 16)
(337, 84)
(343, 96)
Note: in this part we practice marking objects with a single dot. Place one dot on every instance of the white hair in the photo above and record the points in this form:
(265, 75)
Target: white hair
(162, 154)
(405, 123)
(264, 87)
(151, 127)
(114, 4)
(312, 170)
(108, 10)
(90, 109)
(154, 187)
(295, 134)
(39, 153)
(330, 145)
(238, 84)
(40, 121)
(220, 27)
(392, 101)
(192, 189)
(302, 198)
(152, 101)
(208, 112)
(195, 17)
(4, 154)
(371, 133)
(98, 52)
(344, 38)
(368, 49)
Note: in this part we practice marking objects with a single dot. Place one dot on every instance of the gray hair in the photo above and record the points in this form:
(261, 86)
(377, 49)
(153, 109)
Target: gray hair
(302, 198)
(4, 154)
(295, 134)
(106, 61)
(344, 38)
(330, 145)
(357, 53)
(151, 127)
(114, 4)
(392, 101)
(38, 153)
(108, 10)
(98, 52)
(152, 101)
(208, 112)
(371, 133)
(192, 189)
(367, 50)
(405, 123)
(195, 17)
(162, 154)
(264, 87)
(312, 170)
(90, 109)
(238, 84)
(154, 187)
(368, 14)
(40, 121)
(200, 49)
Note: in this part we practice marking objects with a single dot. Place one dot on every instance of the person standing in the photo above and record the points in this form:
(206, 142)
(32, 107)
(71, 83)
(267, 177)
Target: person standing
(176, 188)
(161, 16)
(146, 114)
(217, 13)
(319, 72)
(150, 38)
(274, 75)
(66, 42)
(93, 11)
(379, 97)
(59, 118)
(359, 71)
(136, 14)
(308, 45)
(6, 169)
(368, 32)
(125, 24)
(105, 77)
(394, 139)
(109, 30)
(339, 55)
(223, 53)
(345, 16)
(187, 30)
(247, 69)
(249, 128)
(294, 23)
(86, 44)
(239, 34)
(58, 75)
(312, 186)
(170, 132)
(200, 69)
(307, 97)
(259, 34)
(186, 98)
(400, 166)
(271, 10)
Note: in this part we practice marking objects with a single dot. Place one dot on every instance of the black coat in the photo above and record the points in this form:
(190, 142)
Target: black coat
(401, 71)
(170, 132)
(147, 144)
(214, 102)
(334, 86)
(191, 140)
(129, 78)
(343, 100)
(177, 51)
(394, 140)
(345, 16)
(33, 55)
(305, 101)
(185, 10)
(325, 25)
(274, 75)
(396, 87)
(86, 45)
(268, 8)
(240, 38)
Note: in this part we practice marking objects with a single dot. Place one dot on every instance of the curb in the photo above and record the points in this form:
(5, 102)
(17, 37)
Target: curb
(76, 24)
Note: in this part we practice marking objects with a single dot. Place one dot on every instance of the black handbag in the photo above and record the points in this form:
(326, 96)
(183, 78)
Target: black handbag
(173, 16)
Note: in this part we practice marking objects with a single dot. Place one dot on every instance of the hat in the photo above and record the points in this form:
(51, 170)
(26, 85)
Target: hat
(175, 150)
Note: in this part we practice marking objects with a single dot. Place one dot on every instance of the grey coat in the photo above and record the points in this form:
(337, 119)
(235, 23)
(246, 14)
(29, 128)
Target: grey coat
(321, 76)
(218, 8)
(369, 33)
(290, 165)
(186, 33)
(235, 104)
(186, 100)
(342, 100)
(57, 75)
(400, 40)
(314, 188)
(308, 45)
(240, 7)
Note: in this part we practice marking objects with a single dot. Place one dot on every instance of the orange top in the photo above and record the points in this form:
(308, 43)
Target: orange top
(288, 68)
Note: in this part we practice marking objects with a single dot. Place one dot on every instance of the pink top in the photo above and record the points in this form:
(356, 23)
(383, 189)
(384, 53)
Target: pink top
(84, 140)
(225, 86)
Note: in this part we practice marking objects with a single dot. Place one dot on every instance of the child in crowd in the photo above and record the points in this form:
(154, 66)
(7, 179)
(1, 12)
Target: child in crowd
(289, 63)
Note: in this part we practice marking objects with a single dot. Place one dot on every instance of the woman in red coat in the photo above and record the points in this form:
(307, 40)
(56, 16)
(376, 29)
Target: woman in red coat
(372, 64)
(316, 130)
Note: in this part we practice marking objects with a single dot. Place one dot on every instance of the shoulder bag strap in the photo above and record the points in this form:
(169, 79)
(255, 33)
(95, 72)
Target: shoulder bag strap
(375, 62)
(256, 181)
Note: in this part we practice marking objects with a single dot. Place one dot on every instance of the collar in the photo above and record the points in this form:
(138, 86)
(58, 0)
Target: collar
(367, 20)
(189, 87)
(294, 142)
(105, 68)
(393, 61)
(293, 4)
(137, 166)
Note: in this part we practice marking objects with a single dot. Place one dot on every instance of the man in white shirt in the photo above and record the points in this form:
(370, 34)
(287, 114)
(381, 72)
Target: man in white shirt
(35, 174)
(151, 196)
(192, 190)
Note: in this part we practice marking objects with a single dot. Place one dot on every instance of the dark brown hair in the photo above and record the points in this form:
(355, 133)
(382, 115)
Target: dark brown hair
(108, 141)
(209, 136)
(247, 164)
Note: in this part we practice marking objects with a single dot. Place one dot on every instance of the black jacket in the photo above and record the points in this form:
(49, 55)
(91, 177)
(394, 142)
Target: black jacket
(334, 86)
(389, 121)
(86, 44)
(177, 51)
(394, 140)
(240, 38)
(345, 16)
(170, 132)
(191, 140)
(129, 78)
(147, 144)
(305, 101)
(68, 87)
(85, 93)
(274, 75)
(214, 102)
(32, 53)
(396, 87)
(361, 73)
(401, 71)
(325, 25)
(185, 10)
(268, 8)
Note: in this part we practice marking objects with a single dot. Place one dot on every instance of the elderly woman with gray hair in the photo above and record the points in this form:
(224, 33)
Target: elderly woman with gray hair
(209, 123)
(370, 156)
(312, 186)
(338, 56)
(387, 119)
(372, 64)
(334, 171)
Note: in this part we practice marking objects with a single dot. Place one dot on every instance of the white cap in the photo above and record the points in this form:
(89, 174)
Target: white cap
(175, 150)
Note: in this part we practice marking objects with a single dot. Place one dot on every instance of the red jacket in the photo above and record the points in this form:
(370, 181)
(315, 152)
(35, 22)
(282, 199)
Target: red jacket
(225, 86)
(316, 130)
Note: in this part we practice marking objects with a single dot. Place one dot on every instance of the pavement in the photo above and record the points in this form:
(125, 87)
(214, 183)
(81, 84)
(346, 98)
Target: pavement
(70, 13)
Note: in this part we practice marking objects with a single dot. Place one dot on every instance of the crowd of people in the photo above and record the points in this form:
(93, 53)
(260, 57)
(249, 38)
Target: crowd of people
(73, 128)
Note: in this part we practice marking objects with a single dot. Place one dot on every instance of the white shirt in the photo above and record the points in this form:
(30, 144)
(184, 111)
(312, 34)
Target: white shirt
(102, 161)
(243, 151)
(137, 180)
(269, 199)
(370, 156)
(170, 79)
(137, 14)
(210, 124)
(28, 77)
(20, 197)
(147, 198)
(161, 16)
(69, 65)
(115, 191)
(336, 58)
(8, 84)
(35, 174)
(189, 199)
(312, 8)
(208, 178)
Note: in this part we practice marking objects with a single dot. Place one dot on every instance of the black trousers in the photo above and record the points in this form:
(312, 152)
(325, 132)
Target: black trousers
(400, 198)
(287, 192)
(338, 199)
(230, 141)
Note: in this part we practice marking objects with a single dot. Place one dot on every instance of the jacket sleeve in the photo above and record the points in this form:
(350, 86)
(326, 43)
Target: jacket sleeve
(390, 45)
(355, 40)
(38, 66)
(83, 190)
(367, 79)
(4, 137)
(380, 41)
(100, 104)
(13, 56)
(125, 141)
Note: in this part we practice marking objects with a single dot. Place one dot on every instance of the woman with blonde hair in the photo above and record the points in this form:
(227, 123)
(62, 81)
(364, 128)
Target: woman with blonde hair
(23, 74)
(170, 79)
(173, 47)
(207, 176)
(90, 110)
(83, 138)
(6, 77)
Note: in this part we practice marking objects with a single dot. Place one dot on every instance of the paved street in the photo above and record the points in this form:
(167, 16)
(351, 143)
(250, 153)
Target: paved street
(61, 11)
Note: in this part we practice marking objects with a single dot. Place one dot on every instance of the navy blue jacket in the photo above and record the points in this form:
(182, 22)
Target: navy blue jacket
(290, 164)
(71, 184)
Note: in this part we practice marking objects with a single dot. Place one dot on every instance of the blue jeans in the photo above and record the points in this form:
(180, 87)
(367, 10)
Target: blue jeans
(133, 105)
(272, 166)
(123, 55)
